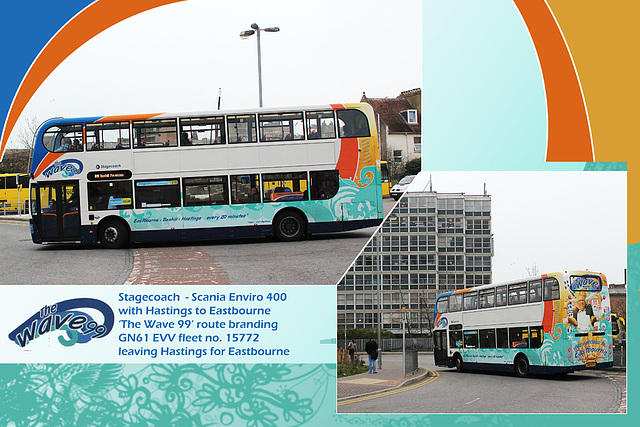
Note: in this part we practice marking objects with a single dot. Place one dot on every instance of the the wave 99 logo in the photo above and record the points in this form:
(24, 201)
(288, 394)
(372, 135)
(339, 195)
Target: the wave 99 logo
(66, 316)
(67, 168)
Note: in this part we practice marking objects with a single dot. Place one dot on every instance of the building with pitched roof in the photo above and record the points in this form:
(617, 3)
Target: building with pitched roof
(399, 125)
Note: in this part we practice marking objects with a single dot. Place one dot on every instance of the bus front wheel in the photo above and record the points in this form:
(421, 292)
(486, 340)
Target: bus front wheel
(458, 363)
(113, 234)
(521, 366)
(288, 226)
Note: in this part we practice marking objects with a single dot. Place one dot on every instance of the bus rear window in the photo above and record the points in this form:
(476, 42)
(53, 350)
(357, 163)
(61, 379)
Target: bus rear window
(585, 283)
(352, 123)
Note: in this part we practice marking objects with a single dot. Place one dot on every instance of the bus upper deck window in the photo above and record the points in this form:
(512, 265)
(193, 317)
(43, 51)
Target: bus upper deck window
(242, 128)
(320, 125)
(551, 289)
(470, 301)
(442, 305)
(63, 138)
(281, 127)
(535, 292)
(455, 302)
(352, 123)
(155, 133)
(108, 136)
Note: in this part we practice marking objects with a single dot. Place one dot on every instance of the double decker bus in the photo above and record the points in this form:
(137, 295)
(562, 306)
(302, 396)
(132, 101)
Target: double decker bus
(198, 176)
(553, 323)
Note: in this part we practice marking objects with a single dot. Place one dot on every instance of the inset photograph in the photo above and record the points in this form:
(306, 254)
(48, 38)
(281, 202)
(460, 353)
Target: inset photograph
(482, 288)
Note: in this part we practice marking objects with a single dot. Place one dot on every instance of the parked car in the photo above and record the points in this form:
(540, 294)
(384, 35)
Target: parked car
(398, 190)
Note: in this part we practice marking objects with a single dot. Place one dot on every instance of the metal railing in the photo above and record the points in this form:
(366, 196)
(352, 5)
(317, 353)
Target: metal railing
(393, 344)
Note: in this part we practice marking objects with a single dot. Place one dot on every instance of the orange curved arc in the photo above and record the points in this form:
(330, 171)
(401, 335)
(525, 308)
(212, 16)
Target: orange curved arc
(569, 136)
(90, 22)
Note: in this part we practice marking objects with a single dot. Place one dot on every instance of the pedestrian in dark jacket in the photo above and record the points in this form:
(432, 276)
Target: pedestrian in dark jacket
(371, 347)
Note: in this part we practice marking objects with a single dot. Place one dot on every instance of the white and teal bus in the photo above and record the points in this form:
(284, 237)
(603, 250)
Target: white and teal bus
(166, 177)
(553, 323)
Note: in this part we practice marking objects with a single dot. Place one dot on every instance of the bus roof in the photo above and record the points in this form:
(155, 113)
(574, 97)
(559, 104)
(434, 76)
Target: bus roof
(525, 279)
(206, 113)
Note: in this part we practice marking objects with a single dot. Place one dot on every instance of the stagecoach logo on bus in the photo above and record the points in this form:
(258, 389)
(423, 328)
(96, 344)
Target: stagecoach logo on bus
(68, 316)
(108, 166)
(67, 168)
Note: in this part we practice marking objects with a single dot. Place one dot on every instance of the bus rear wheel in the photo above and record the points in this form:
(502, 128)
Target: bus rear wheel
(521, 366)
(288, 226)
(113, 234)
(457, 361)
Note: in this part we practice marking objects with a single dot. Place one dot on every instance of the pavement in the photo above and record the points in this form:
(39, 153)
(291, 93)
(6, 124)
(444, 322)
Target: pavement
(13, 217)
(389, 377)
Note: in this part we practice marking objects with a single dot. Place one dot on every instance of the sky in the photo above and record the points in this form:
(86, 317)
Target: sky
(555, 221)
(176, 58)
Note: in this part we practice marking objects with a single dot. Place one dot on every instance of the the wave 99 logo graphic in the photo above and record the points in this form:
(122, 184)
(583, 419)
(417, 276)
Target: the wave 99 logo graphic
(67, 168)
(66, 316)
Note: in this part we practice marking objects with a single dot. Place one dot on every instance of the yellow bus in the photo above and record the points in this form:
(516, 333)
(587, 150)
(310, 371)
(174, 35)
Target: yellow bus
(14, 192)
(384, 173)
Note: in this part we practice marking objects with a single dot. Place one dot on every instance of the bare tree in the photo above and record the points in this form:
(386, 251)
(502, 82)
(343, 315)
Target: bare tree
(532, 271)
(25, 137)
(396, 169)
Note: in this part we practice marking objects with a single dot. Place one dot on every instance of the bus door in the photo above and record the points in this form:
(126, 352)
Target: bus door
(58, 212)
(440, 348)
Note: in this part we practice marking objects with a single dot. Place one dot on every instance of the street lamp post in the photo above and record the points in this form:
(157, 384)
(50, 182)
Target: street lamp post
(248, 33)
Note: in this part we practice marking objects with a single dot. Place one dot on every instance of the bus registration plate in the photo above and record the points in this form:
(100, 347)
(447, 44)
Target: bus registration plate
(591, 364)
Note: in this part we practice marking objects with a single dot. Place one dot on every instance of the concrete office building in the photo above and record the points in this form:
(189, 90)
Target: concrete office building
(429, 244)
